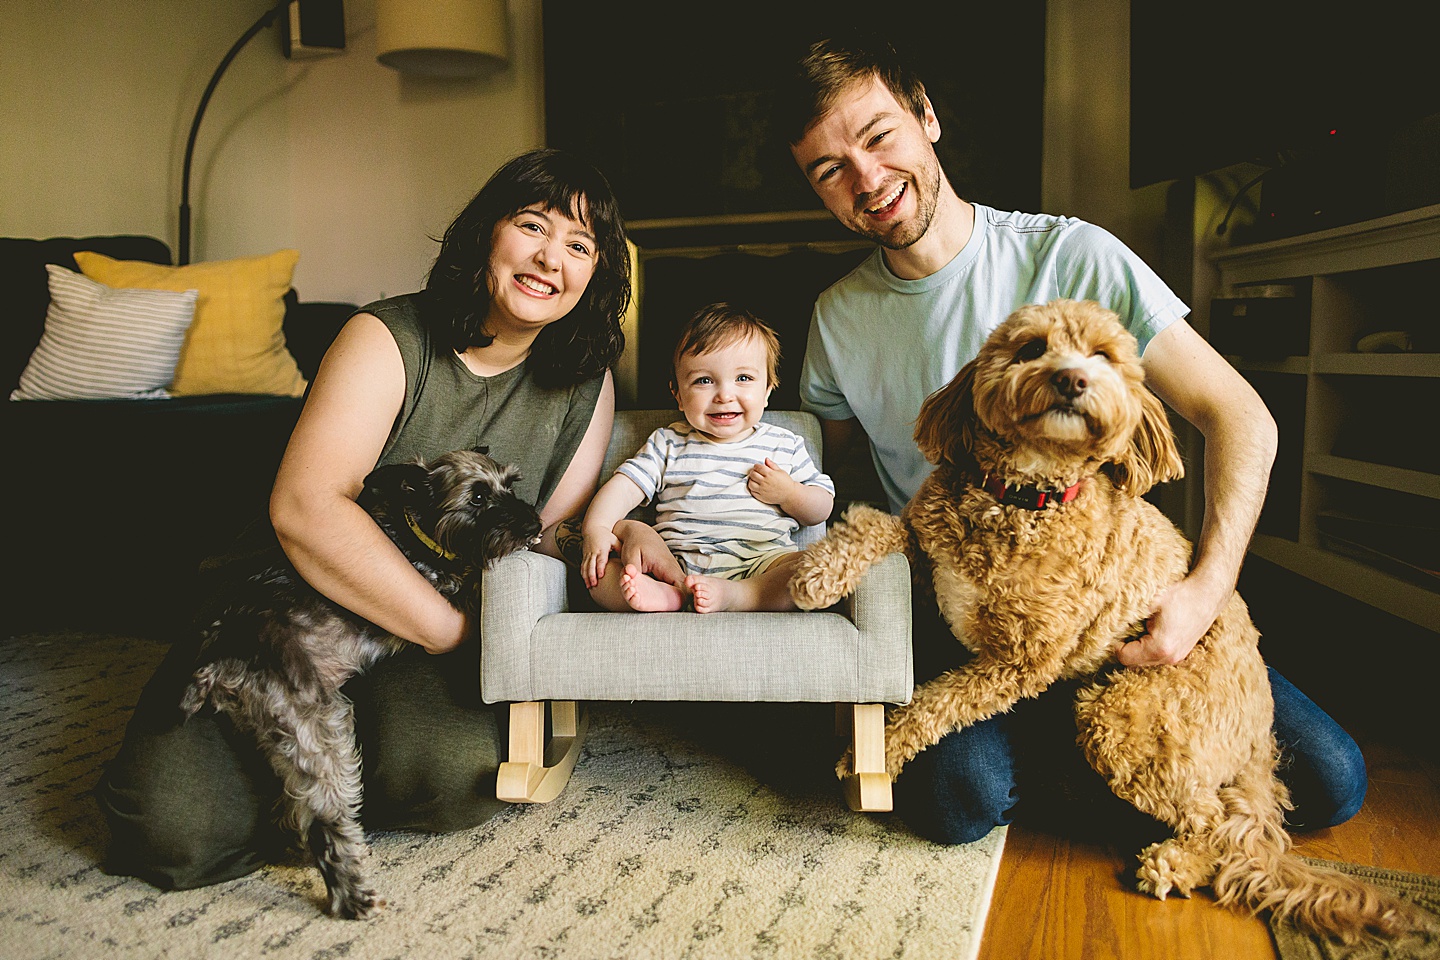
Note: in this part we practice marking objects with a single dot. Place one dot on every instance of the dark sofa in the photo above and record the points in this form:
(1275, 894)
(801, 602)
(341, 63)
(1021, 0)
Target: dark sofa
(112, 504)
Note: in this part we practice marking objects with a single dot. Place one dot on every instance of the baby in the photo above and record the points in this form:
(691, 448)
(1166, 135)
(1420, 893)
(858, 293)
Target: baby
(729, 491)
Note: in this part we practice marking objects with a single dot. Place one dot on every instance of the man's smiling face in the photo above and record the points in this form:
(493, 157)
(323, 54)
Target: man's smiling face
(872, 162)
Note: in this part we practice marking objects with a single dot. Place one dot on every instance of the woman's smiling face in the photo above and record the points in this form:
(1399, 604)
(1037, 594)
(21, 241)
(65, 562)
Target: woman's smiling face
(541, 261)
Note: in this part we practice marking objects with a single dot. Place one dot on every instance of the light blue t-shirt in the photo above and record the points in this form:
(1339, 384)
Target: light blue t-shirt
(880, 345)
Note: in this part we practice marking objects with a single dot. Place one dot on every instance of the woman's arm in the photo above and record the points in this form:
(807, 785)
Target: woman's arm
(578, 484)
(331, 540)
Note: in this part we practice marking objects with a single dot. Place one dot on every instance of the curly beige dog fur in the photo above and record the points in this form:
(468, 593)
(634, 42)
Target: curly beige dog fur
(1056, 402)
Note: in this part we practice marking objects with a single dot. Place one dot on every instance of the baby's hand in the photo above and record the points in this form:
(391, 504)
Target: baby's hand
(596, 555)
(770, 484)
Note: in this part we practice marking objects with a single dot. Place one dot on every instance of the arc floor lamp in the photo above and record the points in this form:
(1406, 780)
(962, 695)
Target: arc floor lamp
(435, 38)
(311, 26)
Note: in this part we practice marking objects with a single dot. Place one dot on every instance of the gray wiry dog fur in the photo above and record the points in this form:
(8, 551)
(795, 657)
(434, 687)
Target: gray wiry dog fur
(276, 653)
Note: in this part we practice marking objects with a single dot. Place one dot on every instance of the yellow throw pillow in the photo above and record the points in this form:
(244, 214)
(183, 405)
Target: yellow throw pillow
(236, 344)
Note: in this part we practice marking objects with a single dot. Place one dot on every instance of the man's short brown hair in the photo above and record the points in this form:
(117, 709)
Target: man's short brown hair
(832, 65)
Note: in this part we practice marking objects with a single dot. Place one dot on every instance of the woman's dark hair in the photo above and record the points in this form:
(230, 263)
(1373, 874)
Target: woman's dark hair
(829, 66)
(587, 340)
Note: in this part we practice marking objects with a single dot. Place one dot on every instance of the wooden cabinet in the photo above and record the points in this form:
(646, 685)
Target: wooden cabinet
(1354, 499)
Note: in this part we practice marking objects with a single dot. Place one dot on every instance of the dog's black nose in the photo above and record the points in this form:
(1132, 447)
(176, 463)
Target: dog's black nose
(1070, 383)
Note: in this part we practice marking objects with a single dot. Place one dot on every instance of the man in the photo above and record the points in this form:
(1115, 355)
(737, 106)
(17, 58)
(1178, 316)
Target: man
(945, 273)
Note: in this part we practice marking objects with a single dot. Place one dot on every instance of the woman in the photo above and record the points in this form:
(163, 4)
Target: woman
(508, 346)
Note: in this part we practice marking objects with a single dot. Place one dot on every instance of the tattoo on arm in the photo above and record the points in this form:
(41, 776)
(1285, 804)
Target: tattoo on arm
(569, 541)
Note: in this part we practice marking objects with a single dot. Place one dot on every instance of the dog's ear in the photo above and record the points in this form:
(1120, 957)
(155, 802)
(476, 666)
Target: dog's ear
(1151, 457)
(946, 427)
(396, 483)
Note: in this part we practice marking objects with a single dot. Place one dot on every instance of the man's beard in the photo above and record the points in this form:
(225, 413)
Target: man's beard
(902, 235)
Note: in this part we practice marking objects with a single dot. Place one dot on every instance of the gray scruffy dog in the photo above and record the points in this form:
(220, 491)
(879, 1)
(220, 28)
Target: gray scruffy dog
(277, 653)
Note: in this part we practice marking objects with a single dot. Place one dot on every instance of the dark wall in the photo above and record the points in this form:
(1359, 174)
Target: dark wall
(671, 100)
(780, 290)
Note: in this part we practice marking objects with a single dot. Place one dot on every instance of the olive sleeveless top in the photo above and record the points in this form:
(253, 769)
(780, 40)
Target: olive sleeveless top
(447, 407)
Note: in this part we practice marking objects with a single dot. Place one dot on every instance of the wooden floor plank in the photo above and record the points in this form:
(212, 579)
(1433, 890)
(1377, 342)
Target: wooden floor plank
(1058, 898)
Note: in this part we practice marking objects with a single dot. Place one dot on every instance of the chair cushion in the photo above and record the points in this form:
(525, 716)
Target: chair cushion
(534, 648)
(812, 657)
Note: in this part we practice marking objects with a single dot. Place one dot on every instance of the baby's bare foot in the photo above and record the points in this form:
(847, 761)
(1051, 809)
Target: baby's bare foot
(646, 594)
(712, 594)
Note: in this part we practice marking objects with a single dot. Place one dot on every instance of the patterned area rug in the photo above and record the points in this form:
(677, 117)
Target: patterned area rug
(1293, 944)
(676, 838)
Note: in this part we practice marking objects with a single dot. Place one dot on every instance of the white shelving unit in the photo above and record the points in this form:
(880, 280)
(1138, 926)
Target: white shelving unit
(1361, 428)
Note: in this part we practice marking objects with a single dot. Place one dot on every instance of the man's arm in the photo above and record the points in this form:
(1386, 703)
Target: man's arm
(1240, 440)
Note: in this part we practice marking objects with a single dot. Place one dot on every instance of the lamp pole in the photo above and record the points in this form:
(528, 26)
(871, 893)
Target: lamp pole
(266, 19)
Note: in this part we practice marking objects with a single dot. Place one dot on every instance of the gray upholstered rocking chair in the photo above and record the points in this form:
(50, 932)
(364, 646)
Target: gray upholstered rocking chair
(545, 642)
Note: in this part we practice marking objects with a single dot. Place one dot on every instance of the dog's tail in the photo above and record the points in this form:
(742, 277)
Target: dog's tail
(832, 568)
(1257, 871)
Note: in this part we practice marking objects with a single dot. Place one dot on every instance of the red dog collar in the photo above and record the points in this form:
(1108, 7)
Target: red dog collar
(1031, 498)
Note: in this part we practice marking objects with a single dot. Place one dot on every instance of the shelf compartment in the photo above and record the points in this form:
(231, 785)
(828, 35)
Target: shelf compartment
(1375, 419)
(1416, 482)
(1378, 364)
(1284, 396)
(1396, 547)
(1354, 579)
(1399, 238)
(1288, 365)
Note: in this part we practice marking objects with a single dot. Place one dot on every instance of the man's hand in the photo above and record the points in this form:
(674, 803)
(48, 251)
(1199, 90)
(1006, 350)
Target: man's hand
(770, 484)
(1180, 616)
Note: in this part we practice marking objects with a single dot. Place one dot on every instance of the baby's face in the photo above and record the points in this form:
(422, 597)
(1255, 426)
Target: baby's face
(723, 392)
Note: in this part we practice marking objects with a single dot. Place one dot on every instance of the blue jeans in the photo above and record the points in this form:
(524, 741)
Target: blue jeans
(972, 780)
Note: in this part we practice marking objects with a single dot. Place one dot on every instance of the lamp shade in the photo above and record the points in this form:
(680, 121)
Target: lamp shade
(442, 38)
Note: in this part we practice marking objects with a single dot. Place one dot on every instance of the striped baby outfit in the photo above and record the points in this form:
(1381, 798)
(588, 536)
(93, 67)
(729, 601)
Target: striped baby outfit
(703, 510)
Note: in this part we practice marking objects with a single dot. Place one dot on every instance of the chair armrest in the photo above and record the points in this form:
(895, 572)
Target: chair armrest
(514, 594)
(880, 610)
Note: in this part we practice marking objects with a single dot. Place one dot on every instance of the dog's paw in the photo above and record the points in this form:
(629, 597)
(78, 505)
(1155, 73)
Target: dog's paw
(1167, 868)
(845, 767)
(360, 904)
(895, 761)
(903, 739)
(832, 568)
(899, 750)
(811, 586)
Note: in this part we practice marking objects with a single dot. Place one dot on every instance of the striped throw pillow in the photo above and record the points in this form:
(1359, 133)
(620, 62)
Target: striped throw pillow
(104, 343)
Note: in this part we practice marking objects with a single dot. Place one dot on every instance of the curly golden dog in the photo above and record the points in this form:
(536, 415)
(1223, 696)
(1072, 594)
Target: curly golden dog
(1044, 559)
